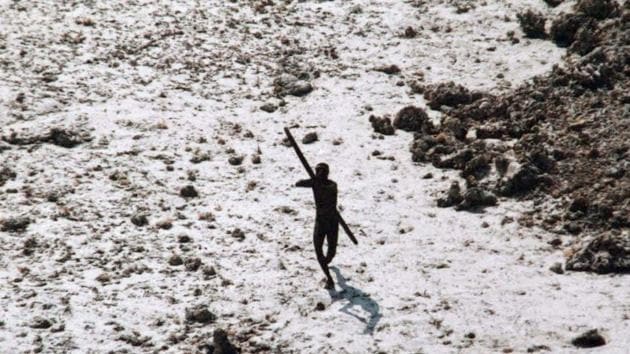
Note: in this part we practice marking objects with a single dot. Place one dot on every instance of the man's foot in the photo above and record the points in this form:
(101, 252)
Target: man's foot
(330, 285)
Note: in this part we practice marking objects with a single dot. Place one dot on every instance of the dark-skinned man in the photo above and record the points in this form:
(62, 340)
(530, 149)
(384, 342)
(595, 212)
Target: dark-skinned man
(326, 221)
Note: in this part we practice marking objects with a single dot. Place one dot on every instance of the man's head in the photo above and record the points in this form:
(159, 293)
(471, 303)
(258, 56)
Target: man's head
(322, 170)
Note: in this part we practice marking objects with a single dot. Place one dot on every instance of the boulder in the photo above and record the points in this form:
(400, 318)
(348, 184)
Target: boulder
(382, 125)
(412, 119)
(533, 24)
(606, 253)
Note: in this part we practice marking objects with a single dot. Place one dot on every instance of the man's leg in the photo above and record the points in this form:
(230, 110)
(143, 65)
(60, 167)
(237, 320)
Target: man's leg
(331, 239)
(318, 242)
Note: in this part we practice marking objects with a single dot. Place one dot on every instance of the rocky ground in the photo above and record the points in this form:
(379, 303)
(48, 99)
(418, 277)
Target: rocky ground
(146, 200)
(562, 135)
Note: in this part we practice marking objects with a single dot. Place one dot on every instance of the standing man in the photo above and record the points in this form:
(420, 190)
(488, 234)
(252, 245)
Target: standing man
(326, 220)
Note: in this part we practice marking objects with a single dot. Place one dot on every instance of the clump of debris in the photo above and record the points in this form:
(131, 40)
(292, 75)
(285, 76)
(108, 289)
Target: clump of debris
(564, 135)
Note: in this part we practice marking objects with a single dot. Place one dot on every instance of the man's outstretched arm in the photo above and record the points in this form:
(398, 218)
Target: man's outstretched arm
(304, 183)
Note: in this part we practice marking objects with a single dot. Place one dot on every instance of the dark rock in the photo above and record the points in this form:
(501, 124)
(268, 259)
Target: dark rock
(564, 28)
(532, 24)
(134, 338)
(288, 84)
(269, 107)
(320, 306)
(238, 234)
(184, 238)
(188, 192)
(140, 219)
(40, 323)
(491, 131)
(542, 160)
(599, 9)
(388, 69)
(104, 278)
(447, 94)
(256, 160)
(65, 138)
(221, 344)
(573, 227)
(310, 138)
(5, 175)
(475, 198)
(455, 126)
(420, 148)
(554, 3)
(456, 161)
(557, 268)
(235, 160)
(200, 314)
(382, 125)
(585, 40)
(175, 260)
(412, 119)
(14, 224)
(579, 204)
(300, 88)
(410, 32)
(477, 167)
(522, 182)
(192, 264)
(589, 339)
(606, 253)
(453, 196)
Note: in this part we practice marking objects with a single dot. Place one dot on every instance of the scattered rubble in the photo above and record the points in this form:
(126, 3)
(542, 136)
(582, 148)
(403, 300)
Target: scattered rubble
(606, 253)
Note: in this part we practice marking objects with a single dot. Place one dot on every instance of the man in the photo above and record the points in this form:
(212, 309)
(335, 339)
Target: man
(326, 221)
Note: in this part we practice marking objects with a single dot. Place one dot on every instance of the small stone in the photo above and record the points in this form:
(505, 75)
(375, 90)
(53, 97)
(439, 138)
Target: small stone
(192, 264)
(269, 107)
(103, 278)
(410, 32)
(15, 224)
(40, 323)
(139, 219)
(221, 344)
(557, 268)
(428, 176)
(320, 306)
(388, 69)
(470, 335)
(175, 260)
(164, 224)
(238, 234)
(300, 88)
(310, 138)
(453, 196)
(188, 192)
(382, 125)
(256, 160)
(235, 160)
(199, 314)
(589, 339)
(184, 238)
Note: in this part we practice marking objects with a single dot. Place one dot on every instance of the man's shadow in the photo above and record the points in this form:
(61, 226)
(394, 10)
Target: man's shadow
(356, 297)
